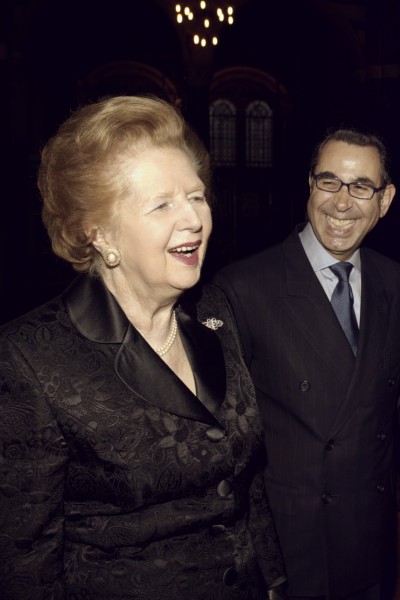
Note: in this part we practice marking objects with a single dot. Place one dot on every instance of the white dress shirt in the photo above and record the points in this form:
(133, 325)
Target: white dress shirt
(320, 260)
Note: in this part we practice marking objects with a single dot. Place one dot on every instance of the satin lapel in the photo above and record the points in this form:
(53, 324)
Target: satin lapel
(146, 374)
(94, 311)
(308, 307)
(374, 323)
(98, 317)
(204, 351)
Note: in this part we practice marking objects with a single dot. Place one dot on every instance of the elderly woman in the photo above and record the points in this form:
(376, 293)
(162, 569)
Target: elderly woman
(131, 448)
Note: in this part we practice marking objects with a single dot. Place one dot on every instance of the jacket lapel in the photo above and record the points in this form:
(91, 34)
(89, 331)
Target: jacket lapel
(97, 316)
(205, 355)
(309, 309)
(147, 375)
(376, 306)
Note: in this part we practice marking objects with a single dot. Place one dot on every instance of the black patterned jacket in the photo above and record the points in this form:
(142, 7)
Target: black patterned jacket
(115, 480)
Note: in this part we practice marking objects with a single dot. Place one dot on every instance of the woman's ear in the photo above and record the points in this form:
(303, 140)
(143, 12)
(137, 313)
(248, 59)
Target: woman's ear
(97, 237)
(111, 256)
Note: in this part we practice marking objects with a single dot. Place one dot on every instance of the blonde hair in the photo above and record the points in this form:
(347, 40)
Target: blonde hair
(80, 175)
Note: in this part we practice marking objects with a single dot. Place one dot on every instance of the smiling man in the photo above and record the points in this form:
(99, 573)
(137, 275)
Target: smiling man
(349, 193)
(320, 324)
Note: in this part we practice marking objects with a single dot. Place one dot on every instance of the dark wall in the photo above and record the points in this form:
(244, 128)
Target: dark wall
(339, 62)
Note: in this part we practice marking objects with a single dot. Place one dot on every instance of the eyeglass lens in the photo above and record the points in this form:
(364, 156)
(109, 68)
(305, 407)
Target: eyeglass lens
(356, 189)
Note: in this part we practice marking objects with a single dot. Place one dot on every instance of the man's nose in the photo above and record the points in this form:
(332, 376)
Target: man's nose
(342, 199)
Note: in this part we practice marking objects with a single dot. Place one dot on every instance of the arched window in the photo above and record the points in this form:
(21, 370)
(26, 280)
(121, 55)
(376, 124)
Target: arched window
(223, 133)
(258, 134)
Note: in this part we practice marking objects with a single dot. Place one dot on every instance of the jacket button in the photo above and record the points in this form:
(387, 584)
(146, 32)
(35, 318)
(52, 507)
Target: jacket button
(224, 488)
(304, 386)
(381, 436)
(380, 488)
(217, 529)
(327, 498)
(214, 434)
(230, 576)
(391, 382)
(330, 445)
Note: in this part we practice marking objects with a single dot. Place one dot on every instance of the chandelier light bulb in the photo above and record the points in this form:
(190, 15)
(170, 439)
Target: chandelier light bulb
(212, 19)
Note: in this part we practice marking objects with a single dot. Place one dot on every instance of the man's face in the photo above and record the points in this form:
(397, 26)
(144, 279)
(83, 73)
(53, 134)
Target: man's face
(341, 222)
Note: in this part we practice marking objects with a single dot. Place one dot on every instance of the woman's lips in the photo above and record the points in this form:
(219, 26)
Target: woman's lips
(186, 253)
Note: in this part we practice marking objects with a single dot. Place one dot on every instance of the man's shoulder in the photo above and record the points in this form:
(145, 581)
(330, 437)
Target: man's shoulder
(261, 262)
(388, 267)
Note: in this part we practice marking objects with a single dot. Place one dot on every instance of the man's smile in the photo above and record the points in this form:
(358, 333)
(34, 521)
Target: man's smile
(342, 223)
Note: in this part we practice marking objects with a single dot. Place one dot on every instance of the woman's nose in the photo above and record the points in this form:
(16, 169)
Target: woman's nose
(189, 217)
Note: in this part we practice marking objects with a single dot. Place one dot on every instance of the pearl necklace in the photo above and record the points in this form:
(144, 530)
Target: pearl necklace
(171, 338)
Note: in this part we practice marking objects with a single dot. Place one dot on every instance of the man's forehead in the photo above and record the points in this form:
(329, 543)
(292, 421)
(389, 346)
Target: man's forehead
(349, 156)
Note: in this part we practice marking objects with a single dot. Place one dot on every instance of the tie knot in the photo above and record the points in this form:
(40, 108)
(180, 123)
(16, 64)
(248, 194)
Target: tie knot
(342, 270)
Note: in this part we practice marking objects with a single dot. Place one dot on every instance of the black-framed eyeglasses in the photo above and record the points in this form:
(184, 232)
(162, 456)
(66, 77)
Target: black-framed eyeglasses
(357, 189)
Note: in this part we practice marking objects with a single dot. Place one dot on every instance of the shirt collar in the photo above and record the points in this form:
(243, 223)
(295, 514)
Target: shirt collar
(317, 255)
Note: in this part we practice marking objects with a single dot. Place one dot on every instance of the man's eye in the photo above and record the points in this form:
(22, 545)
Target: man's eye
(361, 187)
(198, 199)
(329, 183)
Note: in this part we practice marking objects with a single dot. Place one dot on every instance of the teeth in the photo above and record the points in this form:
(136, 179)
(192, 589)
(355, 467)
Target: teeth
(340, 222)
(185, 249)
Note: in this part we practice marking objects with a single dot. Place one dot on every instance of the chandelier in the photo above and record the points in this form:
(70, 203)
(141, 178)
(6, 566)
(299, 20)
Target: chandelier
(203, 19)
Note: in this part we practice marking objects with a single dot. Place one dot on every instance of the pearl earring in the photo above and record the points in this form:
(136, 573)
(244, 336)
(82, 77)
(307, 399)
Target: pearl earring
(112, 257)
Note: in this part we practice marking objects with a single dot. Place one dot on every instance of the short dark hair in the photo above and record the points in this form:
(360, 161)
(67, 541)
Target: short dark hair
(357, 138)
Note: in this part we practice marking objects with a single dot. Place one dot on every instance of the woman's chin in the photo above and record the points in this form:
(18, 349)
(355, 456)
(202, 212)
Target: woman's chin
(187, 280)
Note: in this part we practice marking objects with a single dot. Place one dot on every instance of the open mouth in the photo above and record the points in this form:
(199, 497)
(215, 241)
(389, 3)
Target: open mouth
(340, 222)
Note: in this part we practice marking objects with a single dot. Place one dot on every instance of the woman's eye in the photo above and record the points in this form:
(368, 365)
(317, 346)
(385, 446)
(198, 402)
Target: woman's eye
(198, 198)
(163, 205)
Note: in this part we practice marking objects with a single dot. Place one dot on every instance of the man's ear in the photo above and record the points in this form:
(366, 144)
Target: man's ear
(310, 181)
(386, 200)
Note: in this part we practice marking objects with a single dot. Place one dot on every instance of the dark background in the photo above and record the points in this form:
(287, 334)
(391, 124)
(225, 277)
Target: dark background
(317, 63)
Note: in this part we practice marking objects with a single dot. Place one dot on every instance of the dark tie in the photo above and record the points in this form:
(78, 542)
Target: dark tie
(342, 302)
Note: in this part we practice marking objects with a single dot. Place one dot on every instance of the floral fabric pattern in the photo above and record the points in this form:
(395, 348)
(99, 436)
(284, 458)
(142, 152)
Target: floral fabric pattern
(104, 493)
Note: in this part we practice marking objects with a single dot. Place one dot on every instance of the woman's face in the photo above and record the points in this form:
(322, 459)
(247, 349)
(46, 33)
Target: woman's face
(163, 224)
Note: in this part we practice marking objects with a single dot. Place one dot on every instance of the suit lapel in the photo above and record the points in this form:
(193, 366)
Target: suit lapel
(97, 316)
(309, 309)
(374, 325)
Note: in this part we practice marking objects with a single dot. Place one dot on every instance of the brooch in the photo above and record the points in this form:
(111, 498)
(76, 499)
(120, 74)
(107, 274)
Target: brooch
(213, 323)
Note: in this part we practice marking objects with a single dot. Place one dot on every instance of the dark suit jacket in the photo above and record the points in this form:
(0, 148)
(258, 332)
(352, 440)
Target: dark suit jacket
(328, 417)
(115, 480)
